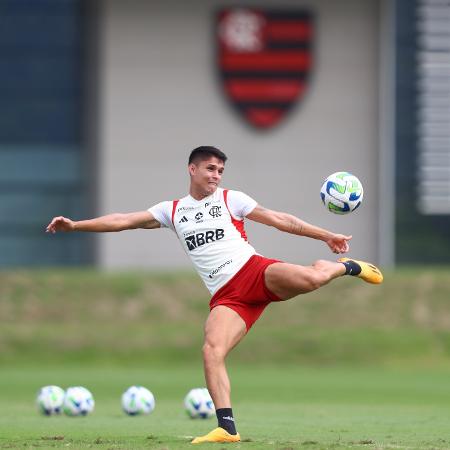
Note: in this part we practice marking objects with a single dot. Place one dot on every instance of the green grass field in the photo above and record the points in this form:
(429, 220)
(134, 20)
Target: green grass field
(276, 408)
(350, 366)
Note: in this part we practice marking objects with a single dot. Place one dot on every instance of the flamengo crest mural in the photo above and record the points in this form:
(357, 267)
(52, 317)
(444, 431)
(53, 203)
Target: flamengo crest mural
(265, 58)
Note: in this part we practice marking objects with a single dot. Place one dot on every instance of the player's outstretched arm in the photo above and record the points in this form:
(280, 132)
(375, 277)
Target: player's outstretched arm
(288, 223)
(108, 223)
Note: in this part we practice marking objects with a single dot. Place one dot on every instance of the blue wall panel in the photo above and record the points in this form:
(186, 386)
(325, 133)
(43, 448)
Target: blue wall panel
(41, 148)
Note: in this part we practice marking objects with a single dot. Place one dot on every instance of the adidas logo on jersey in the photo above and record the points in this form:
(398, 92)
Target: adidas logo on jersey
(183, 219)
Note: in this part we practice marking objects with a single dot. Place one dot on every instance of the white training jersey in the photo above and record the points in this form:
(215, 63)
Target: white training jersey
(211, 232)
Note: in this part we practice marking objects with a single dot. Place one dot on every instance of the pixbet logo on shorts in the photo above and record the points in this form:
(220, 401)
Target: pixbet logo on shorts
(199, 239)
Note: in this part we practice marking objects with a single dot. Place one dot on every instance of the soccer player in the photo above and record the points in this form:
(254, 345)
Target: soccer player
(209, 222)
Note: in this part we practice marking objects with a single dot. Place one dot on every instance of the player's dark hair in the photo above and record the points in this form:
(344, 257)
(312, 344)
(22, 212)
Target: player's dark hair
(206, 152)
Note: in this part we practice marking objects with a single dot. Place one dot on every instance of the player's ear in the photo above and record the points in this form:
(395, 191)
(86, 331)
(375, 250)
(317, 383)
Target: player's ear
(191, 168)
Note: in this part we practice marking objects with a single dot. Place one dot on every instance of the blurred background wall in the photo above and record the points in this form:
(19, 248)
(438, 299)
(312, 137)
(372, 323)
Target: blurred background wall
(101, 103)
(161, 96)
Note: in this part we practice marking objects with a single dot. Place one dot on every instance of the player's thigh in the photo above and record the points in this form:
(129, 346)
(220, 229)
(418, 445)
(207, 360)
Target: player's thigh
(288, 280)
(224, 328)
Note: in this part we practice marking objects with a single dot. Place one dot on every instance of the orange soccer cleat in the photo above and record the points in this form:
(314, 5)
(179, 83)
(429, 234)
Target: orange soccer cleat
(217, 435)
(369, 272)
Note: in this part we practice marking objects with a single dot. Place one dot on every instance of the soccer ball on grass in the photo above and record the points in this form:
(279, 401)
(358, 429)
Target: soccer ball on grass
(50, 400)
(78, 401)
(138, 400)
(341, 193)
(198, 404)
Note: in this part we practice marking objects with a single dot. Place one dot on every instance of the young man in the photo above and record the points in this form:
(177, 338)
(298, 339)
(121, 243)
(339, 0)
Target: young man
(209, 222)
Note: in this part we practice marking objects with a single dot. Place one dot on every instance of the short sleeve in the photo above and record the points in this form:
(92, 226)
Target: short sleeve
(162, 212)
(240, 204)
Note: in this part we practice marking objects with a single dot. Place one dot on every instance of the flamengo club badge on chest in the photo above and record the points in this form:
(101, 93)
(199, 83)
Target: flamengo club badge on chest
(265, 59)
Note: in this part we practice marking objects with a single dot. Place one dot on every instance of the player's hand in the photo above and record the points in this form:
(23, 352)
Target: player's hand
(338, 243)
(60, 223)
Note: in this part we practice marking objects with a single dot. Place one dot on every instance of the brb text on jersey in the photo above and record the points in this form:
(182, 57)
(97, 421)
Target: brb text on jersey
(196, 240)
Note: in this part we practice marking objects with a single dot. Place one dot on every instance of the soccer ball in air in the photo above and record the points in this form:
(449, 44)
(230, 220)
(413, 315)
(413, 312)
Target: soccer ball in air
(78, 401)
(138, 400)
(341, 193)
(198, 404)
(50, 400)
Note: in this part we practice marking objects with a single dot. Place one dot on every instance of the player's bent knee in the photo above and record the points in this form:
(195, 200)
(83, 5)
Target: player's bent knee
(212, 352)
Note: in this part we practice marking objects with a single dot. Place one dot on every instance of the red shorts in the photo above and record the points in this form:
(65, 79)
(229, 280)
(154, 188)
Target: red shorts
(247, 293)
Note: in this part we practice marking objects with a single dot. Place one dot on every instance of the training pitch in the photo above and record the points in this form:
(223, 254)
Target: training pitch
(283, 407)
(352, 366)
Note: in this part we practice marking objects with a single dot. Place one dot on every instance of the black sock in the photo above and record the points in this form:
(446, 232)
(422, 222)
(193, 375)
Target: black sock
(226, 420)
(352, 268)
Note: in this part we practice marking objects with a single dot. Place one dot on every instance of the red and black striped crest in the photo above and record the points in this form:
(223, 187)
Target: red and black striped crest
(265, 59)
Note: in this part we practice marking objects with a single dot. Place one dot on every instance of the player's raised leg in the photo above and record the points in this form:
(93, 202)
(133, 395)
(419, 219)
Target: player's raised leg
(289, 280)
(224, 329)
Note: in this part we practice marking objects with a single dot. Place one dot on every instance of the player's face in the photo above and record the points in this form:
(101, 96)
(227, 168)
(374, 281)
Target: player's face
(206, 176)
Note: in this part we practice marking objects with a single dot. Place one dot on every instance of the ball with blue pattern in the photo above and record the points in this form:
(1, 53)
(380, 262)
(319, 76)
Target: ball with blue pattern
(50, 400)
(198, 404)
(342, 193)
(78, 401)
(138, 400)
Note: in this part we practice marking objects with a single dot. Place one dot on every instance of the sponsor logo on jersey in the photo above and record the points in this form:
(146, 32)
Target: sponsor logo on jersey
(215, 211)
(265, 57)
(218, 269)
(183, 219)
(199, 216)
(197, 240)
(186, 208)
